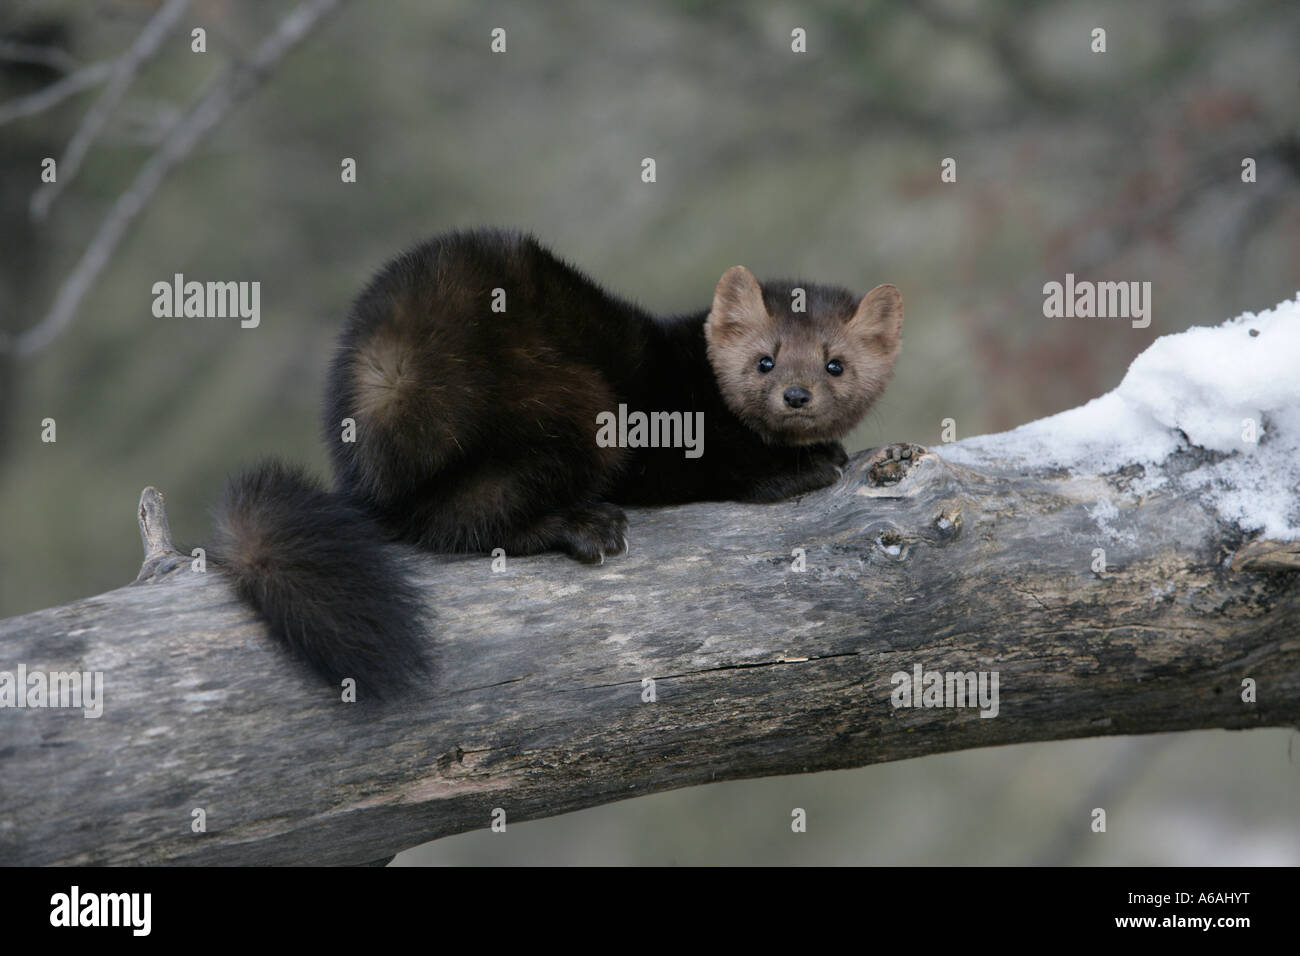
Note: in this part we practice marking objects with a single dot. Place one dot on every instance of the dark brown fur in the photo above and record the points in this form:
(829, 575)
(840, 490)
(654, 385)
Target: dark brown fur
(477, 429)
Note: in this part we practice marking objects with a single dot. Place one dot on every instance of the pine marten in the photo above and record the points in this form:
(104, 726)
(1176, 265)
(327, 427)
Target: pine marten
(477, 369)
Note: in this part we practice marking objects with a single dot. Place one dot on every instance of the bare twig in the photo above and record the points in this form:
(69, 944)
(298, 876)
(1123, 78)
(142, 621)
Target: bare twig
(230, 87)
(54, 94)
(53, 57)
(125, 68)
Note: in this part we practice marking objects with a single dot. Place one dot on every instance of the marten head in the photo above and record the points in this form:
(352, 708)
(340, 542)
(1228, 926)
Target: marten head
(801, 363)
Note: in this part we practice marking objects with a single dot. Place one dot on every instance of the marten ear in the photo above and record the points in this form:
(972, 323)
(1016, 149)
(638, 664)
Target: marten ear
(737, 306)
(878, 320)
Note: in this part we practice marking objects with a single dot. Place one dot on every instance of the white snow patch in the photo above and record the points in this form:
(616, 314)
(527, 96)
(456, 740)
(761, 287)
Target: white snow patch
(1103, 512)
(1206, 383)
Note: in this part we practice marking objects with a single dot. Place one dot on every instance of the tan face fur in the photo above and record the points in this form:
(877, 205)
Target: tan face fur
(797, 401)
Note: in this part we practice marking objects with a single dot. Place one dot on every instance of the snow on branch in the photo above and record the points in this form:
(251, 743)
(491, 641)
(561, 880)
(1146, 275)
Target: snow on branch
(1231, 391)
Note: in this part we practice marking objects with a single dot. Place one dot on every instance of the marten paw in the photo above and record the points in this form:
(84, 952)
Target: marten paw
(593, 533)
(831, 452)
(820, 473)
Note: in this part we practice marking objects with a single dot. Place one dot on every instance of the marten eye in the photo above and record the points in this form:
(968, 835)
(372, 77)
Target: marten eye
(765, 364)
(835, 367)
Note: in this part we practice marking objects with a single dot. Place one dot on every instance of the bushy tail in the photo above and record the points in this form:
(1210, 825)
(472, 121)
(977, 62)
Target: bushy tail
(323, 575)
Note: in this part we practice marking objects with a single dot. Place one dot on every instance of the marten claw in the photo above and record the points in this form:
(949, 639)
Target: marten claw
(591, 533)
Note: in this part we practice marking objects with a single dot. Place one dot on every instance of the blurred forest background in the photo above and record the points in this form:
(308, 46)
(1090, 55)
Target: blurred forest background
(1123, 165)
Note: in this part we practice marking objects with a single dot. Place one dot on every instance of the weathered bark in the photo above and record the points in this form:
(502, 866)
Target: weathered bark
(537, 706)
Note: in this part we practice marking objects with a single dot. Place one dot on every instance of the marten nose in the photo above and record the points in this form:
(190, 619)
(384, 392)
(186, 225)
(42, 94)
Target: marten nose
(796, 396)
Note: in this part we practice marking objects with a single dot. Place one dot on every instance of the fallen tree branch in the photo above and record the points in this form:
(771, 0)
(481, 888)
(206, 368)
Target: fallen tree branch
(540, 702)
